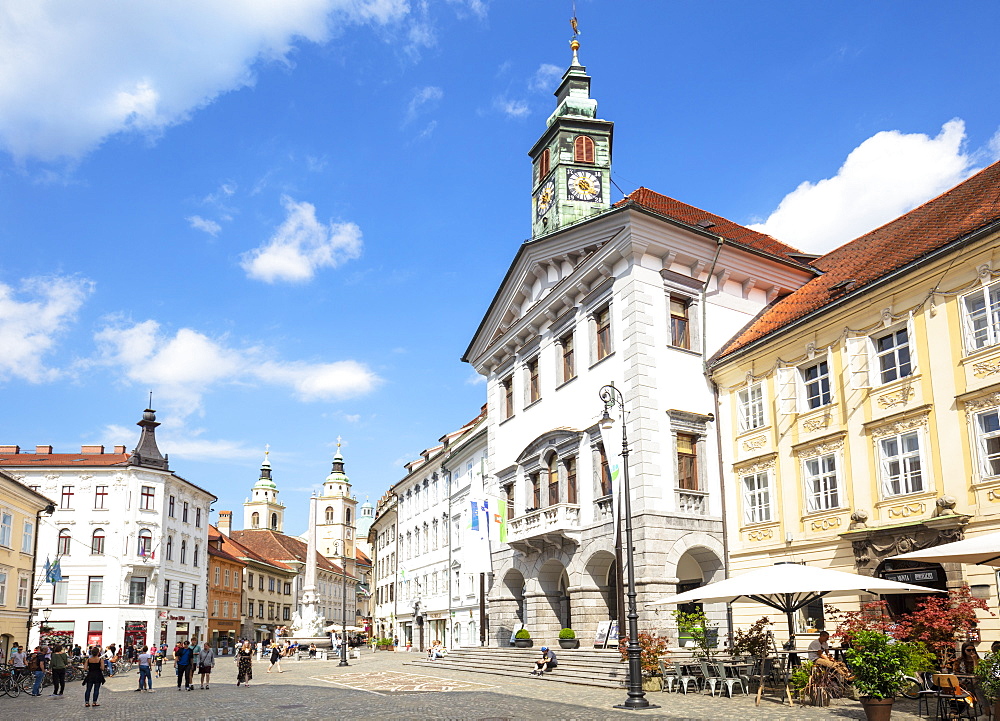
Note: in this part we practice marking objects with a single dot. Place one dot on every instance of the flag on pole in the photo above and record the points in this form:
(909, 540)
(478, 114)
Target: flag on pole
(53, 572)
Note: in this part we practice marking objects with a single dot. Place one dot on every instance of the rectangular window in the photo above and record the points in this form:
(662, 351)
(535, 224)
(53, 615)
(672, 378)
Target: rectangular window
(260, 609)
(568, 359)
(194, 596)
(687, 462)
(288, 589)
(893, 354)
(571, 494)
(822, 489)
(6, 521)
(146, 498)
(286, 613)
(180, 594)
(981, 316)
(603, 322)
(166, 593)
(901, 472)
(756, 498)
(100, 496)
(605, 471)
(66, 500)
(194, 559)
(751, 407)
(225, 608)
(170, 507)
(226, 576)
(197, 518)
(534, 390)
(270, 584)
(509, 493)
(680, 336)
(215, 607)
(3, 588)
(816, 379)
(507, 389)
(217, 574)
(60, 591)
(536, 491)
(184, 512)
(260, 582)
(28, 537)
(553, 473)
(137, 591)
(250, 580)
(95, 589)
(23, 591)
(988, 432)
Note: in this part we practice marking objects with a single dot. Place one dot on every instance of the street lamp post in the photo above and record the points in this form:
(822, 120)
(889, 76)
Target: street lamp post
(343, 615)
(612, 397)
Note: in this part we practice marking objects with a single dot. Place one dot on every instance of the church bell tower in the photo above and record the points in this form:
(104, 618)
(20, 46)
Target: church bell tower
(262, 509)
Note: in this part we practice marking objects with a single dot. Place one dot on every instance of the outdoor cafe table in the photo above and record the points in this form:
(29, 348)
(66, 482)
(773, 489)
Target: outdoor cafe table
(776, 656)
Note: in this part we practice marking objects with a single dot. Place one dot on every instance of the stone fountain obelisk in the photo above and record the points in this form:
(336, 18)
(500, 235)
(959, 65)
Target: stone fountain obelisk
(307, 626)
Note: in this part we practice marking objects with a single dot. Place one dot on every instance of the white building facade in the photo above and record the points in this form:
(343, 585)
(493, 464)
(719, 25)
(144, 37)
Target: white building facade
(385, 548)
(638, 295)
(131, 540)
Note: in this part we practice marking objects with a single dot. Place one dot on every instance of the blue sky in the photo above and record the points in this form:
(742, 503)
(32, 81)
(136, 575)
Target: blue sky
(287, 219)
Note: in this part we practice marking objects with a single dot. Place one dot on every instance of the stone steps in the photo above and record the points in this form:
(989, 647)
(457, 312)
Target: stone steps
(588, 667)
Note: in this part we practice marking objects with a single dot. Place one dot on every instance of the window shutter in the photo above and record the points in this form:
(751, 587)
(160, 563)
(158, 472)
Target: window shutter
(788, 379)
(911, 340)
(857, 361)
(967, 324)
(833, 376)
(741, 407)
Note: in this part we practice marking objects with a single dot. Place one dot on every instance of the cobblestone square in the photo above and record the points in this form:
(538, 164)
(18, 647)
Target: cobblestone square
(380, 686)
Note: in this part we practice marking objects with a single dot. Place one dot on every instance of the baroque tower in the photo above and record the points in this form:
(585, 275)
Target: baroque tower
(571, 162)
(262, 509)
(335, 516)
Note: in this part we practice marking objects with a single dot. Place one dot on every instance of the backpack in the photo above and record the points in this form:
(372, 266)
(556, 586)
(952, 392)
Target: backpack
(34, 663)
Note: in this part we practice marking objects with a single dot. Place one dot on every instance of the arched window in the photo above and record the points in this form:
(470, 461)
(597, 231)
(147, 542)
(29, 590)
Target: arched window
(64, 539)
(145, 542)
(196, 549)
(255, 520)
(97, 542)
(170, 548)
(583, 149)
(347, 516)
(274, 521)
(329, 514)
(553, 473)
(543, 164)
(184, 550)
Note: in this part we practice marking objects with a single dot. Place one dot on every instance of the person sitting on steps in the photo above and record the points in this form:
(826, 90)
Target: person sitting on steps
(546, 663)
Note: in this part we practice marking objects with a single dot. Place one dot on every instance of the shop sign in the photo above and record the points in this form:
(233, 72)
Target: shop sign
(176, 618)
(916, 576)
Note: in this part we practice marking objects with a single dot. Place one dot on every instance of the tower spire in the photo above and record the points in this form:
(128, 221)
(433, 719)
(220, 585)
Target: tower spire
(146, 453)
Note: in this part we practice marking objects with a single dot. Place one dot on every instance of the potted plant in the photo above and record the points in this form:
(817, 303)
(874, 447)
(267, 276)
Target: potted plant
(568, 639)
(879, 663)
(696, 627)
(651, 650)
(988, 676)
(753, 642)
(522, 639)
(385, 644)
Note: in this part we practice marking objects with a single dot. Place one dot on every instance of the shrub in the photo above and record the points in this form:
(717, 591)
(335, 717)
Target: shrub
(755, 641)
(651, 649)
(696, 626)
(988, 675)
(878, 663)
(567, 633)
(522, 633)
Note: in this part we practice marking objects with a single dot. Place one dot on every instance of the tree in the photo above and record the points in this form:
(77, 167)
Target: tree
(941, 620)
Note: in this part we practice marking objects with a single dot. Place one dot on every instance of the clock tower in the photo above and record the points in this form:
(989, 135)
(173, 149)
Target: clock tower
(335, 516)
(571, 162)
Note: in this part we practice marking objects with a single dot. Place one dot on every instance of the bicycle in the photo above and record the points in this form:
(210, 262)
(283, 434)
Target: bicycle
(8, 684)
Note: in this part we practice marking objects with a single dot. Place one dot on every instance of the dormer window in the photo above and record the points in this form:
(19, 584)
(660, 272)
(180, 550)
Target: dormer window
(583, 149)
(544, 164)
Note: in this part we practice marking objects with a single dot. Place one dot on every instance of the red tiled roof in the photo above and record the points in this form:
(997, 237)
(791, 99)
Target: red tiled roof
(726, 228)
(278, 547)
(967, 207)
(241, 551)
(63, 459)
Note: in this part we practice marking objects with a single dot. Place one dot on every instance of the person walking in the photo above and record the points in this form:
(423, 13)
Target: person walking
(161, 652)
(36, 666)
(145, 670)
(192, 668)
(58, 663)
(244, 664)
(95, 676)
(206, 661)
(275, 658)
(183, 659)
(19, 660)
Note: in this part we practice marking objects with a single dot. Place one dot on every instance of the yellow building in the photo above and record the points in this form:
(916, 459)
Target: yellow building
(20, 508)
(862, 411)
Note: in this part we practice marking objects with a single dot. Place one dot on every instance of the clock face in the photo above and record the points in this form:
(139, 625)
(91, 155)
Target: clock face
(584, 185)
(543, 201)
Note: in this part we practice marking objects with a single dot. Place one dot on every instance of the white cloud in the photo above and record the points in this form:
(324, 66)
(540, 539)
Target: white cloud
(887, 175)
(352, 417)
(511, 108)
(475, 379)
(30, 326)
(208, 226)
(302, 245)
(74, 73)
(183, 367)
(546, 78)
(423, 100)
(174, 438)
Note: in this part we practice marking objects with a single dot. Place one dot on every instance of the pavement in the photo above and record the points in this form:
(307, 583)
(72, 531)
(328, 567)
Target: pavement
(379, 686)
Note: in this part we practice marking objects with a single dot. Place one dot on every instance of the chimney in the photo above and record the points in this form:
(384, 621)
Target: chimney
(119, 449)
(225, 522)
(10, 449)
(43, 450)
(91, 450)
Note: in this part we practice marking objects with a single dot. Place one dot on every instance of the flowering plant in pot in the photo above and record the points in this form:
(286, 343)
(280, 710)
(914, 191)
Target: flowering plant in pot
(879, 664)
(522, 639)
(988, 677)
(568, 639)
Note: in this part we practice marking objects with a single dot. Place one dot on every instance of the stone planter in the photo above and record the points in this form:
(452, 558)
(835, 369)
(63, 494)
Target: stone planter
(652, 683)
(569, 643)
(523, 643)
(877, 709)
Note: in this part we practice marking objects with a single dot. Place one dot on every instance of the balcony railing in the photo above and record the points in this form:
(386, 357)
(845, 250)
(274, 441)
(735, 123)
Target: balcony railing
(693, 502)
(544, 527)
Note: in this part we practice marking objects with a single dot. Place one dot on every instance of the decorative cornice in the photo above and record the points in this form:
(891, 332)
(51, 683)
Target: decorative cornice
(895, 398)
(819, 446)
(901, 426)
(984, 368)
(982, 402)
(752, 444)
(756, 465)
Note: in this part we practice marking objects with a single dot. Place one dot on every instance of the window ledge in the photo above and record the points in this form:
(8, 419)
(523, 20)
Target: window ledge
(566, 382)
(512, 415)
(753, 431)
(687, 351)
(758, 525)
(100, 509)
(533, 403)
(598, 362)
(977, 354)
(925, 495)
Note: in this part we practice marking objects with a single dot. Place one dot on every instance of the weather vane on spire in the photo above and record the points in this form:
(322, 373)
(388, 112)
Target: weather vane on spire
(338, 443)
(574, 44)
(573, 23)
(267, 450)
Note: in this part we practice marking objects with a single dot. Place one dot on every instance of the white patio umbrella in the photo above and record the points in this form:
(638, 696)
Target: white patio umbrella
(787, 587)
(338, 628)
(979, 550)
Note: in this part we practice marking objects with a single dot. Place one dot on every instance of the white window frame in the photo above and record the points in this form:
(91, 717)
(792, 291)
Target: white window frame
(983, 331)
(23, 590)
(822, 483)
(792, 386)
(982, 438)
(28, 537)
(4, 575)
(863, 357)
(903, 475)
(60, 592)
(820, 378)
(6, 528)
(756, 488)
(750, 406)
